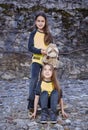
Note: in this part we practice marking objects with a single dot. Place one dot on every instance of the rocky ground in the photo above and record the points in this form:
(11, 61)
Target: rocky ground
(14, 114)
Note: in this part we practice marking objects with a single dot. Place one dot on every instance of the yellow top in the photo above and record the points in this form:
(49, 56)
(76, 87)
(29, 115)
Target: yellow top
(47, 86)
(39, 43)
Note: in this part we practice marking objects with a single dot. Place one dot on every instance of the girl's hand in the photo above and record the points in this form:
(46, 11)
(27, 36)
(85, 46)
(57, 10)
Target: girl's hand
(43, 51)
(64, 114)
(33, 115)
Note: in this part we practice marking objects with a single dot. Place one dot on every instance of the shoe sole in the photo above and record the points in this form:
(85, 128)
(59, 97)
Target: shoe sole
(53, 122)
(43, 122)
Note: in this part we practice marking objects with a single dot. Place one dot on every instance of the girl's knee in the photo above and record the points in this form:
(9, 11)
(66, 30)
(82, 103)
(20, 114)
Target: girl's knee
(45, 93)
(55, 92)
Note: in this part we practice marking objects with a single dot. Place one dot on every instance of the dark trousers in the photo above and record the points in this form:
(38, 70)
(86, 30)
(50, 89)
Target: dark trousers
(35, 71)
(47, 101)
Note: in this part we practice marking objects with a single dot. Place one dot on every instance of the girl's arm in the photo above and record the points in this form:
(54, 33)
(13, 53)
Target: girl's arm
(37, 94)
(62, 108)
(31, 47)
(35, 105)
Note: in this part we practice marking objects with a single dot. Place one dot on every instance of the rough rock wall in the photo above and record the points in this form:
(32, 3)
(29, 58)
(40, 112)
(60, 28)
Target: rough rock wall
(68, 22)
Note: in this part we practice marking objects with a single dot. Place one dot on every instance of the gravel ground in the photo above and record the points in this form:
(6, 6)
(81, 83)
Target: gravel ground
(14, 113)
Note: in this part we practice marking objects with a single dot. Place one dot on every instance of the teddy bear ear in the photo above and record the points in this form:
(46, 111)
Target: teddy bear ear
(56, 49)
(49, 49)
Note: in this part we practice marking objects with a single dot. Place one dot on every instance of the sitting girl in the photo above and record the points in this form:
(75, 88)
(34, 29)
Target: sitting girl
(48, 93)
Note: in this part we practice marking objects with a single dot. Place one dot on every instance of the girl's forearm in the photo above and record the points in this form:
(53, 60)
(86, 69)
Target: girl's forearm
(61, 104)
(62, 109)
(36, 103)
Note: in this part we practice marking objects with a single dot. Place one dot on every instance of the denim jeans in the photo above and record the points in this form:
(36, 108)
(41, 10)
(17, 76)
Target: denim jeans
(35, 71)
(45, 99)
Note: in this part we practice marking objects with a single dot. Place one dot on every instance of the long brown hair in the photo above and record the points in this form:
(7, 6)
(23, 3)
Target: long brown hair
(53, 78)
(48, 37)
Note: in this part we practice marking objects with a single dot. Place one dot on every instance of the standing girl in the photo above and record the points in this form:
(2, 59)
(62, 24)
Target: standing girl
(38, 41)
(50, 94)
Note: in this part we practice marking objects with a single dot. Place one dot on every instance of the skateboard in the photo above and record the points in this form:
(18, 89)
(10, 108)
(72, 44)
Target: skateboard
(39, 110)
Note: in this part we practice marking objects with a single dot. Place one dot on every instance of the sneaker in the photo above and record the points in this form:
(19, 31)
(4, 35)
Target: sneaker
(43, 118)
(53, 118)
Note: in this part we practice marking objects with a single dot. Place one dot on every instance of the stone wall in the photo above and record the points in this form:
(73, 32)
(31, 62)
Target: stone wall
(68, 20)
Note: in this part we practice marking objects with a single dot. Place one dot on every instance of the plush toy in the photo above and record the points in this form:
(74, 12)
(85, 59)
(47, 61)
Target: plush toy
(52, 55)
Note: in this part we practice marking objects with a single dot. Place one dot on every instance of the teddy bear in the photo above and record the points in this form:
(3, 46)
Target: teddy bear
(51, 56)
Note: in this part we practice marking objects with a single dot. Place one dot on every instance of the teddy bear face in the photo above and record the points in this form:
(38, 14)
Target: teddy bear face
(52, 56)
(52, 51)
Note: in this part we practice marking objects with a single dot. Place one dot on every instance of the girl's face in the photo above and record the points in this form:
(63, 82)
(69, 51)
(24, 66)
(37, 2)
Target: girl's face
(47, 72)
(40, 23)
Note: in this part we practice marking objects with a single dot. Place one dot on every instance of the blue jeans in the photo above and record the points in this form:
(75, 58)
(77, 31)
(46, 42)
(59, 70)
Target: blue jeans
(35, 71)
(51, 101)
